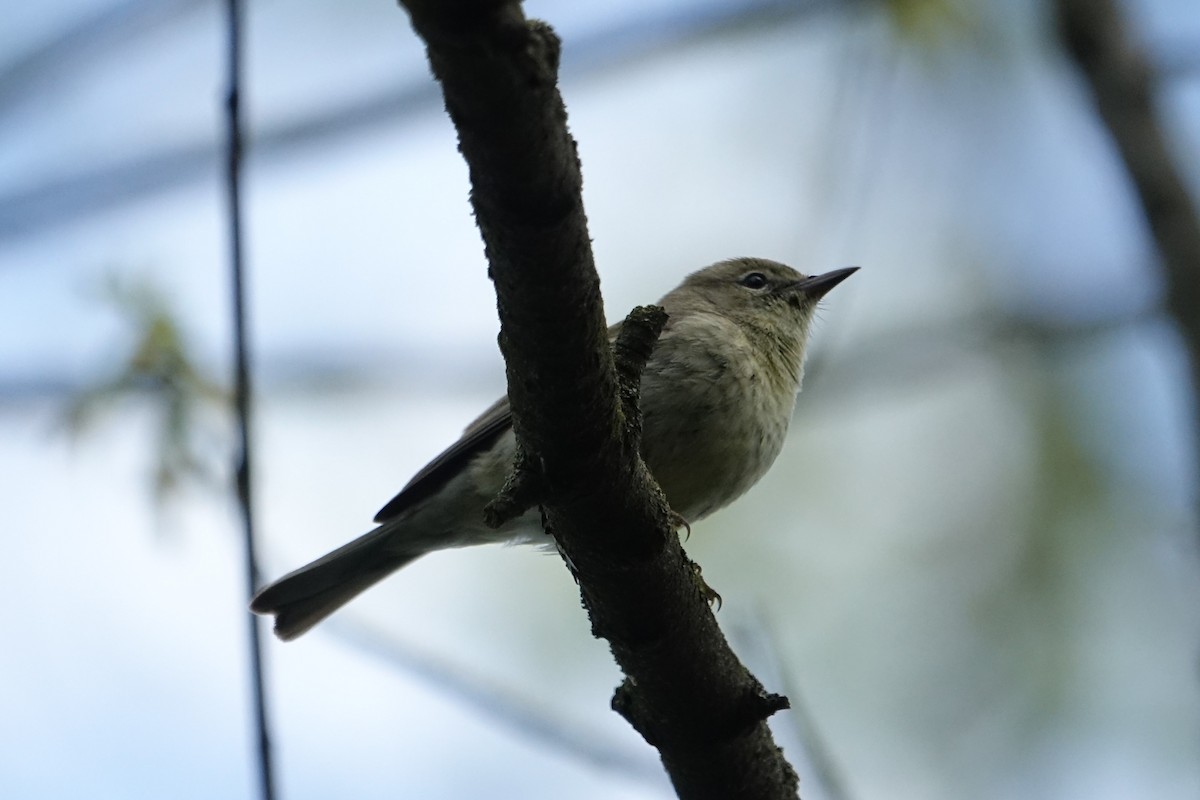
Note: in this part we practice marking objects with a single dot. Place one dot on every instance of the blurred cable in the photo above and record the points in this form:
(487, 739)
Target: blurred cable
(241, 391)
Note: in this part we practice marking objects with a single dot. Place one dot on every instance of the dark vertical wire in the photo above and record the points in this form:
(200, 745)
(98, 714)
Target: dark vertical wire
(241, 390)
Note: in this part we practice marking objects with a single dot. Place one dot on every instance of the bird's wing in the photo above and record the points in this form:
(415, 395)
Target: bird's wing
(478, 436)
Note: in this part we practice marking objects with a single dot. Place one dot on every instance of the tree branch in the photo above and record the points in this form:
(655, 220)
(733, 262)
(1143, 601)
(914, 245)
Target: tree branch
(1120, 79)
(574, 407)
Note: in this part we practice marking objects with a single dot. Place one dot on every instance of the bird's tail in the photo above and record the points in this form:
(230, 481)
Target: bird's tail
(301, 599)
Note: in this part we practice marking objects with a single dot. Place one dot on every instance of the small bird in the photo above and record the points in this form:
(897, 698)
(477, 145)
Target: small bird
(716, 398)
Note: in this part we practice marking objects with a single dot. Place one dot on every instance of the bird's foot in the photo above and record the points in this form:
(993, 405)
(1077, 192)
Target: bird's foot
(710, 594)
(677, 522)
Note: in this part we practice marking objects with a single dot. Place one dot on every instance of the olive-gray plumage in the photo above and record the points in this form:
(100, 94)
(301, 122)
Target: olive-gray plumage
(717, 395)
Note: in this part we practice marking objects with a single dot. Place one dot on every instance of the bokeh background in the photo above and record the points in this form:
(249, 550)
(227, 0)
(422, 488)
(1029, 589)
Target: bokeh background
(974, 567)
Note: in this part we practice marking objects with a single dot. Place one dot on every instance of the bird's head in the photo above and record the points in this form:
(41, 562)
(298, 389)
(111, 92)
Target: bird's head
(771, 302)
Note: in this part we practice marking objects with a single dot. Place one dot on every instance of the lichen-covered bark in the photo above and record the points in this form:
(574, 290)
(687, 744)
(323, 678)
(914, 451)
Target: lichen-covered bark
(574, 408)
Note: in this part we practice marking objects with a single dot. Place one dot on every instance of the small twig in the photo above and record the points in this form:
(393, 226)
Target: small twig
(635, 342)
(523, 489)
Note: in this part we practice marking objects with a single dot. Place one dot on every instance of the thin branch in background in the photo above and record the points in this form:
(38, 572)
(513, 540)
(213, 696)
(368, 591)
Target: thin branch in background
(61, 200)
(526, 716)
(856, 138)
(83, 38)
(855, 144)
(756, 640)
(241, 393)
(1177, 59)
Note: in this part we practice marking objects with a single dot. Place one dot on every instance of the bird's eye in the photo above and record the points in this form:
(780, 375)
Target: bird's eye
(753, 280)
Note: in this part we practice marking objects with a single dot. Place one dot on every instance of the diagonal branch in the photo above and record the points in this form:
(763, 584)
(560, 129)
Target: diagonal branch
(1121, 82)
(685, 691)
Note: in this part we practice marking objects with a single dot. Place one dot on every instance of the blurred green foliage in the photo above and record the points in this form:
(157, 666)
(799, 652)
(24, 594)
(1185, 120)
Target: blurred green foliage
(931, 21)
(158, 366)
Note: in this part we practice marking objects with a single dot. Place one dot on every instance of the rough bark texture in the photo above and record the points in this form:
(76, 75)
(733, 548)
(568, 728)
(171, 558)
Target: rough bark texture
(575, 408)
(1120, 79)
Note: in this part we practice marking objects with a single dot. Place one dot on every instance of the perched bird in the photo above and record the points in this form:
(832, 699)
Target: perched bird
(716, 398)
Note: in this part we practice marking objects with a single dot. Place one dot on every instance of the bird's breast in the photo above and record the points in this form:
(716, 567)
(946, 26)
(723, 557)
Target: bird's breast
(714, 416)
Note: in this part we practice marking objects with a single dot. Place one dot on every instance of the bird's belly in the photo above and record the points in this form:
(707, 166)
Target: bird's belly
(706, 458)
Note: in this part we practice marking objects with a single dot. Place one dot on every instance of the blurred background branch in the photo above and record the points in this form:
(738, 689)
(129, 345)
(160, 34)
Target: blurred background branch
(542, 723)
(24, 211)
(1120, 77)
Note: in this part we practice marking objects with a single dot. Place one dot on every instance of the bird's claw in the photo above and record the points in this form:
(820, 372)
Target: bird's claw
(710, 594)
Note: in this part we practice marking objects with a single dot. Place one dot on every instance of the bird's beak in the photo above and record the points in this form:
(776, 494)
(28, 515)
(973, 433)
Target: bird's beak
(817, 286)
